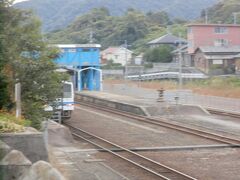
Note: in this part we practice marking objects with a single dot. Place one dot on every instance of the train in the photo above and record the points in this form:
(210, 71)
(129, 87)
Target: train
(65, 104)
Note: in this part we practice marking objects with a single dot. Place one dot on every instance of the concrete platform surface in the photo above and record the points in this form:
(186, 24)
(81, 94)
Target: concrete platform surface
(137, 105)
(74, 162)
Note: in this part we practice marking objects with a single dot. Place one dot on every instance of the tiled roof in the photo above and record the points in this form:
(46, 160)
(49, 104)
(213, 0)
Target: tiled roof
(168, 39)
(217, 57)
(220, 49)
(110, 50)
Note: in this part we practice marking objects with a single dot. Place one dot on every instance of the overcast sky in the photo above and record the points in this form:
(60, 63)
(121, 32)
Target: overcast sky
(16, 1)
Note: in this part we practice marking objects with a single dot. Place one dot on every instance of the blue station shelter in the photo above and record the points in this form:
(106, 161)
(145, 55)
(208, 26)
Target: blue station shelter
(84, 61)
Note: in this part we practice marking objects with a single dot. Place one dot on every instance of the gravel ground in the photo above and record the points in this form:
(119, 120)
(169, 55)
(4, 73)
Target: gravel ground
(131, 133)
(218, 124)
(83, 162)
(130, 171)
(214, 164)
(204, 164)
(77, 164)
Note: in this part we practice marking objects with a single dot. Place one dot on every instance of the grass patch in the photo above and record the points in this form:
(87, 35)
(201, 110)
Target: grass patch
(9, 123)
(217, 82)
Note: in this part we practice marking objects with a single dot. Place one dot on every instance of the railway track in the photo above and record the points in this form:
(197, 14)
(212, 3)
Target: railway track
(224, 113)
(166, 124)
(152, 167)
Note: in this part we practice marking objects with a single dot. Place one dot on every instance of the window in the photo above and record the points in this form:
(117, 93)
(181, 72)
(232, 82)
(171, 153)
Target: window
(67, 91)
(116, 56)
(189, 30)
(220, 30)
(85, 49)
(219, 61)
(220, 42)
(190, 44)
(72, 50)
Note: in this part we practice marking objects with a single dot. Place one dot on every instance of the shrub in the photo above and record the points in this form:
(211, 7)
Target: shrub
(9, 123)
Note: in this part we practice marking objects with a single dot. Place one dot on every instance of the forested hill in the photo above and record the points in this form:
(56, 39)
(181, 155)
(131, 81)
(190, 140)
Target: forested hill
(57, 14)
(134, 26)
(223, 12)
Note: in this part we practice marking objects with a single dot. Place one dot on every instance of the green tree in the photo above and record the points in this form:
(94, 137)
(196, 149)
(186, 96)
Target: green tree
(160, 18)
(4, 95)
(161, 54)
(134, 26)
(30, 62)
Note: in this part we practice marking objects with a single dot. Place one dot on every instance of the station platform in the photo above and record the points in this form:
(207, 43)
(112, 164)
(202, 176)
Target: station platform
(135, 105)
(76, 160)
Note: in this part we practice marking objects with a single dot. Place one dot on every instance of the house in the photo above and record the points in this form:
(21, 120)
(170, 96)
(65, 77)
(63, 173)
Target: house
(138, 60)
(213, 48)
(212, 35)
(217, 60)
(119, 55)
(167, 39)
(186, 58)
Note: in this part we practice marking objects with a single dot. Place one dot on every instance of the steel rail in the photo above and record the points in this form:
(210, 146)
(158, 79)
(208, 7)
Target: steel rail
(224, 113)
(163, 171)
(161, 122)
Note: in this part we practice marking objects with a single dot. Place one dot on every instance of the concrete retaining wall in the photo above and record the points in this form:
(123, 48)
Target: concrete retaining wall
(31, 144)
(139, 110)
(148, 109)
(14, 165)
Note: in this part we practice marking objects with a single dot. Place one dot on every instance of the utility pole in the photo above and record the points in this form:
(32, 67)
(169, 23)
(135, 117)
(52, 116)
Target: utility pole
(206, 16)
(235, 17)
(126, 59)
(180, 64)
(91, 37)
(18, 100)
(180, 68)
(169, 30)
(180, 82)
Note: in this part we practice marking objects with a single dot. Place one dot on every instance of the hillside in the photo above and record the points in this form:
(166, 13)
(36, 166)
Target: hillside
(223, 12)
(134, 26)
(57, 14)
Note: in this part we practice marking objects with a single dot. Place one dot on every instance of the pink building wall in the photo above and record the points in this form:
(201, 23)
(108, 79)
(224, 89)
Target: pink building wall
(204, 35)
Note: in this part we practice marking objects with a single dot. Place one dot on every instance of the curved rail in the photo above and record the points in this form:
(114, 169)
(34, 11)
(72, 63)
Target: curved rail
(149, 165)
(164, 123)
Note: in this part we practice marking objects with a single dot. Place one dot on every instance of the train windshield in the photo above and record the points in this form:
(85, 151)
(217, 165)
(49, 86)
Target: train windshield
(67, 91)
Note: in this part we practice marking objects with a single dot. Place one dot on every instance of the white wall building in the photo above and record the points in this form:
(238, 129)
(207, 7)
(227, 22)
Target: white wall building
(119, 55)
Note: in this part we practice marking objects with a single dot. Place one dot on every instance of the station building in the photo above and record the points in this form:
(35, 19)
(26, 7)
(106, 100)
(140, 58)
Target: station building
(83, 60)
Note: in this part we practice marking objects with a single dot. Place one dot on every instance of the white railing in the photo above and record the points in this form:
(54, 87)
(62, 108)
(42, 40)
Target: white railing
(169, 75)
